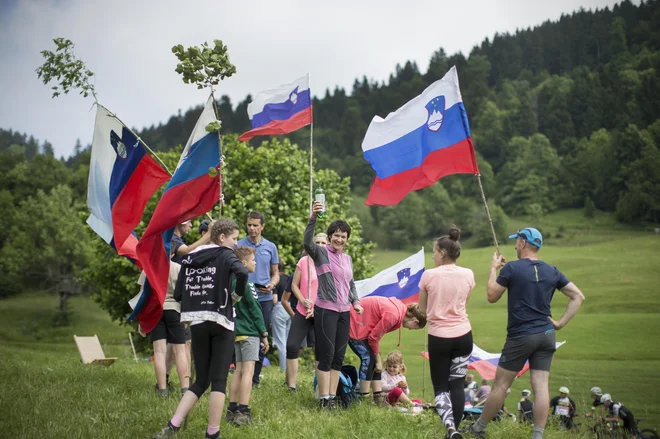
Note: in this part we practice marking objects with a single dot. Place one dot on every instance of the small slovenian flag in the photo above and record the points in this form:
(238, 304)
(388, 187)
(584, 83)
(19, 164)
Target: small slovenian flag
(281, 110)
(426, 139)
(400, 280)
(122, 178)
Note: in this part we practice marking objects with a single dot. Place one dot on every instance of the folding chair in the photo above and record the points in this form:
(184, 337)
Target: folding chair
(91, 351)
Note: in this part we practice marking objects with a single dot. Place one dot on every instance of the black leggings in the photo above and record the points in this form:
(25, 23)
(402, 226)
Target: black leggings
(300, 328)
(212, 346)
(332, 329)
(448, 358)
(367, 360)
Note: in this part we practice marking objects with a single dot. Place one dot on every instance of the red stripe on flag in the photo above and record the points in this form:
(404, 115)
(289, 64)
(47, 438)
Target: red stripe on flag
(178, 204)
(455, 159)
(277, 127)
(127, 209)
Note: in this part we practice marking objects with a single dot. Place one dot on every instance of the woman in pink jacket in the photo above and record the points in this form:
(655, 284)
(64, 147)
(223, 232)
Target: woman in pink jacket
(380, 316)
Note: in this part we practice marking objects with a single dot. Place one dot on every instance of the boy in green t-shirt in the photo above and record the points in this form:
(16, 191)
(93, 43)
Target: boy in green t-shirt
(250, 332)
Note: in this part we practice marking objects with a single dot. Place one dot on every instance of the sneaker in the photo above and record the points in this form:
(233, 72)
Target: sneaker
(293, 389)
(169, 431)
(164, 393)
(380, 399)
(323, 403)
(454, 434)
(332, 404)
(229, 417)
(213, 436)
(242, 417)
(476, 433)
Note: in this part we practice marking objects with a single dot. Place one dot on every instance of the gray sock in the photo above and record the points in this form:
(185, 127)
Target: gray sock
(538, 433)
(479, 425)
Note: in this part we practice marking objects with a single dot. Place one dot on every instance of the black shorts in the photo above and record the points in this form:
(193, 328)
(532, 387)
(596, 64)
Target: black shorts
(169, 328)
(537, 348)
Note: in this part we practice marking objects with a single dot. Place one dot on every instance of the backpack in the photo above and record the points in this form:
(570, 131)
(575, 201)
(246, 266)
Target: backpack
(527, 408)
(347, 386)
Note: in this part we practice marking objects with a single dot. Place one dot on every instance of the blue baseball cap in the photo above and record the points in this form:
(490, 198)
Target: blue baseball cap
(529, 234)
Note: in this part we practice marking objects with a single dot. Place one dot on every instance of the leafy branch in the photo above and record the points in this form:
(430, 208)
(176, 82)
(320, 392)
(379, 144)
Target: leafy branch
(204, 66)
(69, 72)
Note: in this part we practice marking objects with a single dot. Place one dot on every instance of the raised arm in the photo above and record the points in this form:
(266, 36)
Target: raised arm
(308, 237)
(575, 300)
(494, 290)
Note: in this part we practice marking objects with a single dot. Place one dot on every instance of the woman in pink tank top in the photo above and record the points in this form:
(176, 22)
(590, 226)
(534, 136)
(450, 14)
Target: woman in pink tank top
(443, 293)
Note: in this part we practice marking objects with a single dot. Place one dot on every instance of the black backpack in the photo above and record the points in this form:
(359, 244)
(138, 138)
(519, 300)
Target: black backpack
(527, 407)
(347, 387)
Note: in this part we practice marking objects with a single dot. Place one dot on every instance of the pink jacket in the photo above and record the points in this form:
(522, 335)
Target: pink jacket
(381, 315)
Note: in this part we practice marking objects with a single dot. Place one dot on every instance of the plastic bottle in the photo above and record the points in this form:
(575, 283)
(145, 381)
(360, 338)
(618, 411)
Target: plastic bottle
(320, 197)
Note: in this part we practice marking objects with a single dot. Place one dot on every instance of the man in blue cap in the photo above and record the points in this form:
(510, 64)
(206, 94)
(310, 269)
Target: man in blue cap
(530, 330)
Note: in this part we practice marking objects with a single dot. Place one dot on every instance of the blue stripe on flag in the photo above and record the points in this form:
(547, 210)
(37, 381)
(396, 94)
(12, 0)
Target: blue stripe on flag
(142, 301)
(281, 110)
(409, 151)
(204, 154)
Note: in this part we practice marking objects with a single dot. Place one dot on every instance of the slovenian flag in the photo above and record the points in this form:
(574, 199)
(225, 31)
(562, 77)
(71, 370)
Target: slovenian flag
(192, 191)
(423, 141)
(122, 178)
(400, 280)
(281, 110)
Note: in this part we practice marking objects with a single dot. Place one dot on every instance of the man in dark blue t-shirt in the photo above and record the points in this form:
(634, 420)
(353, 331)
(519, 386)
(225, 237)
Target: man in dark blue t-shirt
(530, 330)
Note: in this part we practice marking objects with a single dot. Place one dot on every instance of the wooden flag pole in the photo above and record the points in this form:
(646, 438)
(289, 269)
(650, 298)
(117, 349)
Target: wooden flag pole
(311, 182)
(217, 116)
(490, 220)
(130, 337)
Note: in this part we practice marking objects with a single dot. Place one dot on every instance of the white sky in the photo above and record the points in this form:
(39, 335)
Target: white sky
(127, 45)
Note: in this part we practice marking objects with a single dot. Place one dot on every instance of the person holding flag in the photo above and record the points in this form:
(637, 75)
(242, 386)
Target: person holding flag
(531, 284)
(443, 294)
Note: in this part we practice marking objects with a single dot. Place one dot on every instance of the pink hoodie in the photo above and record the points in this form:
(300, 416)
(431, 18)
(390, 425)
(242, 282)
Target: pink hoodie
(381, 315)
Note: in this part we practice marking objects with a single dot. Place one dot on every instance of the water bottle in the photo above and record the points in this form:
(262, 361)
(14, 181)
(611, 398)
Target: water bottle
(320, 197)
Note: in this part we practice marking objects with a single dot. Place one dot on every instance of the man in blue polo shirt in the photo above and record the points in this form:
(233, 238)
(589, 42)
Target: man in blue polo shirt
(266, 276)
(531, 329)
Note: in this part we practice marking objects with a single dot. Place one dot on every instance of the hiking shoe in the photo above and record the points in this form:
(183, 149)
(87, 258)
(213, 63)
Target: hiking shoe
(323, 403)
(169, 431)
(292, 389)
(333, 404)
(380, 399)
(242, 417)
(229, 417)
(476, 433)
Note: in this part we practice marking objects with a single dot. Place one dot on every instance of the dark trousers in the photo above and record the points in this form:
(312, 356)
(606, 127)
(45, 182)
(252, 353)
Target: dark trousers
(332, 329)
(212, 347)
(267, 311)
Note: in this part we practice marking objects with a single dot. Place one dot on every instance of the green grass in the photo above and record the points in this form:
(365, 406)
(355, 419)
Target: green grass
(612, 343)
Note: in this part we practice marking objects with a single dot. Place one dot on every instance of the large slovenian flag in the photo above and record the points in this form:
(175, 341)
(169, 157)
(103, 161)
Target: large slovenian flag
(400, 280)
(421, 142)
(122, 178)
(281, 110)
(192, 192)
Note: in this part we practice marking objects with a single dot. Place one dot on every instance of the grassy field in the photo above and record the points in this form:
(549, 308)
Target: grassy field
(612, 343)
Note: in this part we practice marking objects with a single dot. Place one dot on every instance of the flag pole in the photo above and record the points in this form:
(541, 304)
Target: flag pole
(490, 220)
(114, 115)
(217, 116)
(311, 179)
(426, 352)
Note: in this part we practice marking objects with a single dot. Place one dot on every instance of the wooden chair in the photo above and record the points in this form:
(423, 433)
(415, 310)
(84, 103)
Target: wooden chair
(91, 351)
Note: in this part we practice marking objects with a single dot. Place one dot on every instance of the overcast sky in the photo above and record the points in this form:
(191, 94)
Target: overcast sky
(127, 45)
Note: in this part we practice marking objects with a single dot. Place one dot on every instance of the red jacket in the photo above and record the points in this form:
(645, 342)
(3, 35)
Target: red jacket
(381, 315)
